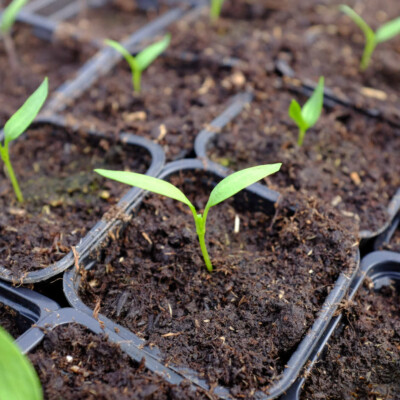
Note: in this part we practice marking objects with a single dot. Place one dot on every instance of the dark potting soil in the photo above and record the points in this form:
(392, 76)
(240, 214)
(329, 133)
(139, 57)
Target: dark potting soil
(64, 198)
(110, 21)
(9, 321)
(322, 41)
(73, 363)
(176, 102)
(238, 325)
(362, 359)
(37, 58)
(347, 159)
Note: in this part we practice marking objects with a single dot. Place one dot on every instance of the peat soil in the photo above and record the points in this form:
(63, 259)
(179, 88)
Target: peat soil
(177, 100)
(394, 244)
(10, 321)
(37, 59)
(110, 21)
(347, 159)
(363, 357)
(73, 363)
(238, 325)
(64, 198)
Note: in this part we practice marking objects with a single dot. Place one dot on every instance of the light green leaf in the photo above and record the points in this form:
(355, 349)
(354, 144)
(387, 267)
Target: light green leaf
(237, 181)
(10, 14)
(130, 59)
(313, 107)
(368, 32)
(150, 53)
(295, 115)
(215, 10)
(388, 30)
(22, 118)
(145, 182)
(18, 378)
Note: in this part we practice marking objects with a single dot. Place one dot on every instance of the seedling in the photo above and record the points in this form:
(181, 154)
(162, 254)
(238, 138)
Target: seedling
(142, 60)
(8, 18)
(17, 125)
(18, 378)
(215, 9)
(228, 187)
(307, 116)
(372, 39)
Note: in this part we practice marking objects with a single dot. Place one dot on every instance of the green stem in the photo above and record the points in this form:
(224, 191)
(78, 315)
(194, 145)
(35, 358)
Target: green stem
(136, 79)
(5, 157)
(215, 9)
(300, 139)
(201, 231)
(367, 54)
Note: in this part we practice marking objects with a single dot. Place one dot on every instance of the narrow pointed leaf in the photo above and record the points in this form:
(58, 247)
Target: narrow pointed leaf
(150, 53)
(20, 121)
(130, 59)
(215, 10)
(237, 181)
(295, 115)
(388, 31)
(10, 14)
(313, 107)
(368, 32)
(18, 379)
(145, 182)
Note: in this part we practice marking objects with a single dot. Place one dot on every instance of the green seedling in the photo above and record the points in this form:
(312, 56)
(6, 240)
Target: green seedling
(142, 60)
(8, 18)
(372, 39)
(215, 9)
(228, 187)
(18, 378)
(17, 125)
(307, 116)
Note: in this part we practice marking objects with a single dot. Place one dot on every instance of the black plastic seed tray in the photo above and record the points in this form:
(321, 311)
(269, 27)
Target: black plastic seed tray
(266, 199)
(383, 268)
(31, 307)
(102, 227)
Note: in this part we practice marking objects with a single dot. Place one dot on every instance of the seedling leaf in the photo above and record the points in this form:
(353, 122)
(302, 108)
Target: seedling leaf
(368, 32)
(20, 121)
(295, 114)
(388, 31)
(237, 181)
(150, 53)
(10, 14)
(123, 51)
(313, 107)
(145, 182)
(215, 10)
(18, 379)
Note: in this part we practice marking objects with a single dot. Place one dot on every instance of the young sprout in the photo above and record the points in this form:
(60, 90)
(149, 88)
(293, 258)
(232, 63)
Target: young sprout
(228, 187)
(18, 378)
(17, 125)
(142, 60)
(307, 116)
(8, 18)
(372, 39)
(215, 9)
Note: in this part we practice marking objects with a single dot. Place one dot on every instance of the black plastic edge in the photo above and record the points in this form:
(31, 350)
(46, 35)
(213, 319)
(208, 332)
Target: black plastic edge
(29, 304)
(299, 357)
(30, 339)
(380, 266)
(102, 227)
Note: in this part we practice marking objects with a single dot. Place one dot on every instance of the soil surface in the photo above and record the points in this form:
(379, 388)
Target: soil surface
(362, 359)
(347, 159)
(157, 113)
(239, 325)
(9, 320)
(394, 244)
(64, 198)
(322, 41)
(37, 59)
(74, 363)
(112, 21)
